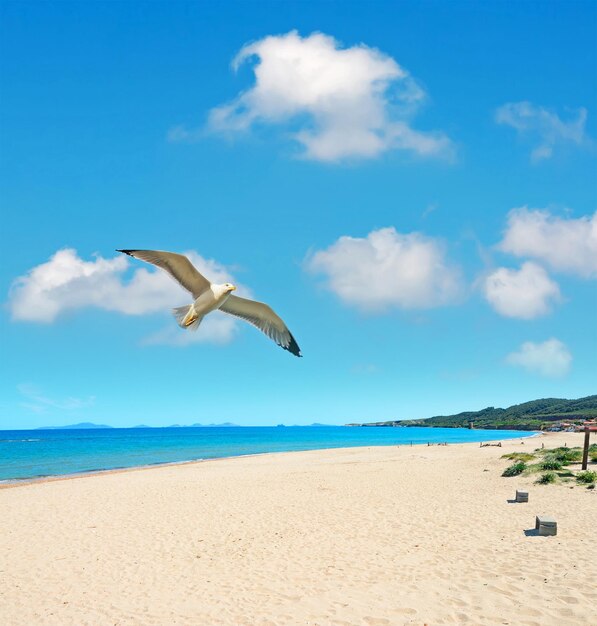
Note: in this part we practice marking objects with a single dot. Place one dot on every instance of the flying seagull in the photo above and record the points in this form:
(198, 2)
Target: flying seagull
(209, 297)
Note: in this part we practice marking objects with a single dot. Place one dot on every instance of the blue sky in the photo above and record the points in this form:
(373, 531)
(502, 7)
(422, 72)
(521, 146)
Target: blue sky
(411, 186)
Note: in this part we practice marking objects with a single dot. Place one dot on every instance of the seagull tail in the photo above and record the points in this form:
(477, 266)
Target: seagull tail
(186, 318)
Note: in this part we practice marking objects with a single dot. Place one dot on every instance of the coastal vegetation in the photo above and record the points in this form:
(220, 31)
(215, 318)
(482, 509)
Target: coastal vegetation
(551, 464)
(587, 477)
(548, 477)
(515, 469)
(542, 414)
(519, 456)
(556, 465)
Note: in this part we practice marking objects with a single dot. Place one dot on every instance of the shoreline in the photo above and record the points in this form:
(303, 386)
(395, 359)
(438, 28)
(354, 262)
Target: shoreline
(11, 483)
(375, 536)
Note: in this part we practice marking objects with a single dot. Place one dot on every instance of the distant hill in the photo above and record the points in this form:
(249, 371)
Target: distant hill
(90, 425)
(222, 425)
(80, 426)
(534, 415)
(225, 424)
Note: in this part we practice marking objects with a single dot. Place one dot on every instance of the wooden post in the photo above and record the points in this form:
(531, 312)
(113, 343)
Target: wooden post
(585, 451)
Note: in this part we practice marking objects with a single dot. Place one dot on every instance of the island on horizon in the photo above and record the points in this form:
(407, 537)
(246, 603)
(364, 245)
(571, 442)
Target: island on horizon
(92, 426)
(553, 414)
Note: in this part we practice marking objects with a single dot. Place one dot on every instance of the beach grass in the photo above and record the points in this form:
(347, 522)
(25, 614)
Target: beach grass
(515, 469)
(547, 478)
(588, 477)
(565, 455)
(519, 456)
(553, 465)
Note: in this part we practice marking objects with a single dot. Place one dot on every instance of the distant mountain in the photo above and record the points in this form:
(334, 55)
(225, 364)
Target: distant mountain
(222, 425)
(79, 426)
(197, 425)
(316, 425)
(534, 415)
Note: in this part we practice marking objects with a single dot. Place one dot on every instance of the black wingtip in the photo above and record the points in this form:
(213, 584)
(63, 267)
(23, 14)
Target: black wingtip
(129, 252)
(293, 347)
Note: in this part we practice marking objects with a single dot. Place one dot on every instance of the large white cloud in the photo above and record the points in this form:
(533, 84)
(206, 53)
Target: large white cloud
(68, 283)
(544, 126)
(387, 270)
(550, 358)
(567, 245)
(525, 293)
(337, 102)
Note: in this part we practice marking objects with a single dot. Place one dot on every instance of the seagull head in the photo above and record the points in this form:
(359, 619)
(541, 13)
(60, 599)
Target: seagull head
(229, 287)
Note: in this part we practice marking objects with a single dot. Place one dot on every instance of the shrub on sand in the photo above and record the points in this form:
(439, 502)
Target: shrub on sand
(545, 479)
(587, 477)
(562, 454)
(515, 470)
(551, 464)
(570, 456)
(519, 456)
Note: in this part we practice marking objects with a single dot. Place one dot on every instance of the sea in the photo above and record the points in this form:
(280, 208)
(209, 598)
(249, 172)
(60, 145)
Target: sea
(30, 454)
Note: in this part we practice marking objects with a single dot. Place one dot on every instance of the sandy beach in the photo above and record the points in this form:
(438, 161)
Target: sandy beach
(364, 536)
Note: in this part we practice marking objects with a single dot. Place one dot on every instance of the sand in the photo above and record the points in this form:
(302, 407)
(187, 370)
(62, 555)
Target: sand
(363, 536)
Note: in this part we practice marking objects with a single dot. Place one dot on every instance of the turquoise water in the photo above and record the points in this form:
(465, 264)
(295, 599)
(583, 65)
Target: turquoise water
(26, 454)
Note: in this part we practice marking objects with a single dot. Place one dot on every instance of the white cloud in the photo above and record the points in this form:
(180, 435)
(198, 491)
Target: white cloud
(550, 358)
(546, 127)
(40, 403)
(567, 245)
(339, 102)
(388, 270)
(68, 283)
(524, 293)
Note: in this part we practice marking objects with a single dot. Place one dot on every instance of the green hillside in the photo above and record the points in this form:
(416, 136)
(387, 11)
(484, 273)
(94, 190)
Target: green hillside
(534, 415)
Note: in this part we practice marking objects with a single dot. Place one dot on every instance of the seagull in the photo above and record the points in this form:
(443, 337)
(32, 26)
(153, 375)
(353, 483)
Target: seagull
(209, 297)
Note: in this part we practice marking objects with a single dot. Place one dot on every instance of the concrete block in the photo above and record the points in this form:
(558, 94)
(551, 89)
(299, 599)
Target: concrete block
(546, 525)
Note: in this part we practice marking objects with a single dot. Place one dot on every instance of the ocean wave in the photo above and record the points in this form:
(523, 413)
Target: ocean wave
(18, 440)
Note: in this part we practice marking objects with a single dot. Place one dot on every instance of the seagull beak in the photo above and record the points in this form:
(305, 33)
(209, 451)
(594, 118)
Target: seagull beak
(233, 288)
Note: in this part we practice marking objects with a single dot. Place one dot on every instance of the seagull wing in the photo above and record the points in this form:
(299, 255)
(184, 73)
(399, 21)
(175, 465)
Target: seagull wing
(263, 318)
(177, 265)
